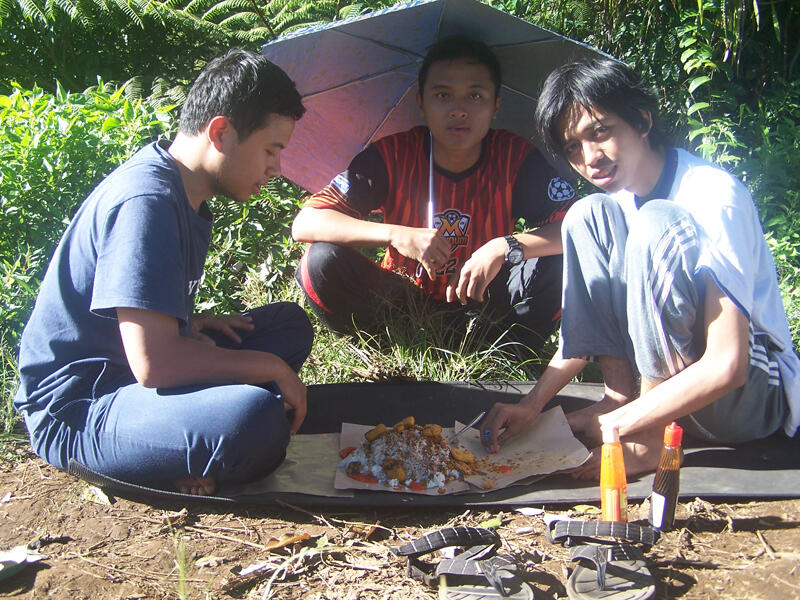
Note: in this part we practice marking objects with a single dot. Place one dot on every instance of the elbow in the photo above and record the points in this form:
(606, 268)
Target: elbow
(149, 376)
(733, 374)
(301, 229)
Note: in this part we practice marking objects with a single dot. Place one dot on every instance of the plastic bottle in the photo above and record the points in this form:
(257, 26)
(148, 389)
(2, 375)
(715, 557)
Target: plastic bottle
(666, 483)
(613, 485)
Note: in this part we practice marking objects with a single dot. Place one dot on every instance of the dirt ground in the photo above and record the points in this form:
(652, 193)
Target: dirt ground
(96, 548)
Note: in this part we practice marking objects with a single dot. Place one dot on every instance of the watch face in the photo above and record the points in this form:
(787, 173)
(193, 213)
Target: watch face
(515, 256)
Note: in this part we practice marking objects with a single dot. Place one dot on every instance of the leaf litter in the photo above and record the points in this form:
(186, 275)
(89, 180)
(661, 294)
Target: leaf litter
(717, 550)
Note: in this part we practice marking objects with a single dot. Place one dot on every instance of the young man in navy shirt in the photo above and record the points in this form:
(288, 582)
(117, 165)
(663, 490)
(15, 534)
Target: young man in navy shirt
(116, 371)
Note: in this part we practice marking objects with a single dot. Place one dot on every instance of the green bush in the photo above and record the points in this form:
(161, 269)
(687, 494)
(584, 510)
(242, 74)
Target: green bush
(252, 249)
(54, 148)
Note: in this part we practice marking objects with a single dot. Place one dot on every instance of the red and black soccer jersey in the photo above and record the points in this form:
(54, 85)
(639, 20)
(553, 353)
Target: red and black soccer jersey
(511, 180)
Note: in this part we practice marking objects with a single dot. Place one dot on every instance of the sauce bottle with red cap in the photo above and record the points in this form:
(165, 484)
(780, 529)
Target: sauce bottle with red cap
(666, 483)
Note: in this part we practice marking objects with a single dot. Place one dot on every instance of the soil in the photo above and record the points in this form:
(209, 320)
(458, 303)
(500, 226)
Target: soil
(96, 547)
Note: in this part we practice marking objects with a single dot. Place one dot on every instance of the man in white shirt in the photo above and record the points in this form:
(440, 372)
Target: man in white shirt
(668, 283)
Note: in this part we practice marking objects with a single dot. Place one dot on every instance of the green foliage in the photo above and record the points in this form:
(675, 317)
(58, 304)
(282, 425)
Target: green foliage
(252, 250)
(8, 386)
(54, 148)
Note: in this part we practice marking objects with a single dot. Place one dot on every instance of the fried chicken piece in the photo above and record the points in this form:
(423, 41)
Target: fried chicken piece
(461, 455)
(432, 430)
(376, 432)
(353, 468)
(407, 423)
(394, 469)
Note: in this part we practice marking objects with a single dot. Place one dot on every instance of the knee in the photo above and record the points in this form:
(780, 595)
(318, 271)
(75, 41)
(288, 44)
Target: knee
(258, 434)
(296, 319)
(656, 220)
(323, 256)
(589, 210)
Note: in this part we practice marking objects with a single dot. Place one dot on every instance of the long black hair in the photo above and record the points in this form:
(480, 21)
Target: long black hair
(600, 83)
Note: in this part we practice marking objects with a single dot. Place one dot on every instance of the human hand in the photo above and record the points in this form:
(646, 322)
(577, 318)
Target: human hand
(227, 324)
(426, 246)
(477, 272)
(293, 392)
(512, 418)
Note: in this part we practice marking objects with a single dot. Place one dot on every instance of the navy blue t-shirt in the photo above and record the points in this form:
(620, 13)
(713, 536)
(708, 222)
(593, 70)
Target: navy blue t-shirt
(136, 242)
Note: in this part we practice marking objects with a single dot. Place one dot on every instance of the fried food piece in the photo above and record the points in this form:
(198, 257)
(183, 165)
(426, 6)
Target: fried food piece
(407, 423)
(353, 468)
(466, 469)
(432, 430)
(376, 432)
(461, 455)
(394, 469)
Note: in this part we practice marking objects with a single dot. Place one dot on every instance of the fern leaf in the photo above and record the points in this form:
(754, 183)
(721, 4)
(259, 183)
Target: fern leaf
(33, 11)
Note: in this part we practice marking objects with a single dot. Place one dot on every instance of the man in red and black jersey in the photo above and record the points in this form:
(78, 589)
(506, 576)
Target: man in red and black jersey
(461, 251)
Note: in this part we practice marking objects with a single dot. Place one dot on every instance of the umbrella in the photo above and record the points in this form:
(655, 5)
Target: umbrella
(358, 76)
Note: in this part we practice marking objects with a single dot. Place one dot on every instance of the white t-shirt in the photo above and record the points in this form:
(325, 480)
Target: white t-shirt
(736, 254)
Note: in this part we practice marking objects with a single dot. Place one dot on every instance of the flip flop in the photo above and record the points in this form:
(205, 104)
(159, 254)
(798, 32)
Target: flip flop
(476, 573)
(606, 570)
(610, 572)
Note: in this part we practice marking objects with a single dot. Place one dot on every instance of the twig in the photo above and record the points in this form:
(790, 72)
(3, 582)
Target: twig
(283, 568)
(767, 547)
(319, 518)
(791, 585)
(340, 521)
(700, 564)
(339, 563)
(143, 574)
(224, 537)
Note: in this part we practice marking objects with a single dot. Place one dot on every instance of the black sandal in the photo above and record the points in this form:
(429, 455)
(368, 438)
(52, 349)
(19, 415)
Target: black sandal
(466, 575)
(607, 570)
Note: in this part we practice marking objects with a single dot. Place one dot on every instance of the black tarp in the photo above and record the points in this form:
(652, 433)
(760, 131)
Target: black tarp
(767, 468)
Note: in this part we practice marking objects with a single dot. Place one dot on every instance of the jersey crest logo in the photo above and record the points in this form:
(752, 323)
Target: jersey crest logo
(559, 190)
(341, 182)
(454, 226)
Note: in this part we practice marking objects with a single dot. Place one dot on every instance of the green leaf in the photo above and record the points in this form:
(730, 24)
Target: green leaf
(110, 123)
(697, 106)
(491, 523)
(697, 82)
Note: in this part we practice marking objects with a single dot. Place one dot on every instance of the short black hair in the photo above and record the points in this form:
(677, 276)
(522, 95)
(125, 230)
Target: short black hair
(601, 83)
(461, 46)
(244, 87)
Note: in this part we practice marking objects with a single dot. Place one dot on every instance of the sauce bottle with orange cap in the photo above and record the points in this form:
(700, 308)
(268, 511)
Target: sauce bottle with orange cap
(613, 485)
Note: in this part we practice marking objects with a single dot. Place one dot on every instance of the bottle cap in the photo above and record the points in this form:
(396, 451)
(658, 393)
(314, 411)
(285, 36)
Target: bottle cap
(610, 433)
(673, 434)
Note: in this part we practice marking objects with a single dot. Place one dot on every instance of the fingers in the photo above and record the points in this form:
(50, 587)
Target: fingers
(242, 322)
(295, 402)
(491, 438)
(202, 337)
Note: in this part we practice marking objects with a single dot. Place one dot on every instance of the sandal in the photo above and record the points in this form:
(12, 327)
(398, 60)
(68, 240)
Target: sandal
(607, 570)
(475, 573)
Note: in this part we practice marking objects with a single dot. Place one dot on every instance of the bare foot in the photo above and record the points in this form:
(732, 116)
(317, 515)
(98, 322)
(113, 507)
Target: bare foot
(620, 388)
(585, 419)
(197, 486)
(640, 453)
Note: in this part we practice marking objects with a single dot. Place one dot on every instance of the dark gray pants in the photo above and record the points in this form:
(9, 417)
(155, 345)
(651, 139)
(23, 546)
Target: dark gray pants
(344, 287)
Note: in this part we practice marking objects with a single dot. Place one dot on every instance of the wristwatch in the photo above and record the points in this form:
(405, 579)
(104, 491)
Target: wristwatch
(514, 254)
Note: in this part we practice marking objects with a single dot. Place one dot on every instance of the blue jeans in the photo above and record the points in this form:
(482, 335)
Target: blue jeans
(232, 432)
